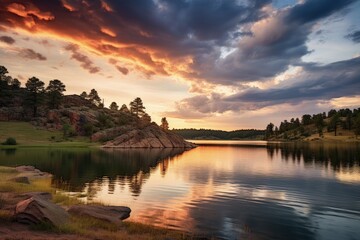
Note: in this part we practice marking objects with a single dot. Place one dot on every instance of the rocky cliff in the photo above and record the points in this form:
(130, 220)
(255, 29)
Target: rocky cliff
(151, 136)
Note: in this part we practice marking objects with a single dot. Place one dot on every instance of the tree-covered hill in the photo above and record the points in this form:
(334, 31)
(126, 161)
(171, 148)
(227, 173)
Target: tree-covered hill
(342, 124)
(47, 108)
(249, 134)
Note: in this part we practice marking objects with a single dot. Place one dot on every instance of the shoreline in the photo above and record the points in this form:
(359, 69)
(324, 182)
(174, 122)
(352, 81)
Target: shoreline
(77, 227)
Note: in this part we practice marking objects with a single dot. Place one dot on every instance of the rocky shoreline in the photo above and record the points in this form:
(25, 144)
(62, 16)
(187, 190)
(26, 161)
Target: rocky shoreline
(149, 137)
(28, 211)
(34, 208)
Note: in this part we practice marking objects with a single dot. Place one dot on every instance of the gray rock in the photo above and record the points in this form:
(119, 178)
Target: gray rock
(31, 172)
(20, 179)
(151, 136)
(43, 195)
(36, 210)
(113, 214)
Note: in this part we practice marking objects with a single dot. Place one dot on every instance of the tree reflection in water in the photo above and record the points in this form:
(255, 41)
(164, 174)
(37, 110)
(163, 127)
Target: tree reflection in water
(338, 156)
(74, 170)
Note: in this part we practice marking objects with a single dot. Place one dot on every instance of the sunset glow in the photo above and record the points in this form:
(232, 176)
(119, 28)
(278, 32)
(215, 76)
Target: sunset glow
(201, 64)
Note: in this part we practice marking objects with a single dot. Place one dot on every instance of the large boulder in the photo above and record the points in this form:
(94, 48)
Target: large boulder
(113, 214)
(151, 136)
(36, 210)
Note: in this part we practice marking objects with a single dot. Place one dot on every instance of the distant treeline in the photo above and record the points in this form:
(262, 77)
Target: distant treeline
(219, 134)
(332, 121)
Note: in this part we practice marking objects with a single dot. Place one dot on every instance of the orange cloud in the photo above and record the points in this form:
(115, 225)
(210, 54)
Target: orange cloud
(28, 10)
(106, 6)
(108, 31)
(134, 45)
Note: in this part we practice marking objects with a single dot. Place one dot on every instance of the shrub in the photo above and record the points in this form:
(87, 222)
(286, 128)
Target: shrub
(10, 141)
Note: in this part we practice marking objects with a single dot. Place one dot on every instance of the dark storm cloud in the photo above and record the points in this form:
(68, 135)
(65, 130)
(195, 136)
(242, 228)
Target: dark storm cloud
(354, 36)
(84, 60)
(314, 83)
(7, 39)
(31, 54)
(312, 10)
(277, 42)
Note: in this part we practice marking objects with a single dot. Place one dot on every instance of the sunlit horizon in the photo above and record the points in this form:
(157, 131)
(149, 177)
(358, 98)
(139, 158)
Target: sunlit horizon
(230, 65)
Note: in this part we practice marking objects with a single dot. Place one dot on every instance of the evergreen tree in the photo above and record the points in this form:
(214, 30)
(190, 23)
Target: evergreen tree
(55, 93)
(306, 119)
(94, 97)
(319, 124)
(84, 95)
(114, 106)
(137, 108)
(164, 124)
(269, 130)
(356, 126)
(3, 85)
(124, 109)
(15, 84)
(335, 120)
(35, 89)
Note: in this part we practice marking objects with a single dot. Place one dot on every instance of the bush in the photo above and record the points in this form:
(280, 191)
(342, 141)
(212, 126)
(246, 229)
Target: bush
(10, 141)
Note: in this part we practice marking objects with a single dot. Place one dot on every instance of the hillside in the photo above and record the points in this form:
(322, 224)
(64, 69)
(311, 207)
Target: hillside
(55, 117)
(336, 125)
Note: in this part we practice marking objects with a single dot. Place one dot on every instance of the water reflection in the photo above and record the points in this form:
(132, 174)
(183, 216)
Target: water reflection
(76, 169)
(342, 158)
(273, 191)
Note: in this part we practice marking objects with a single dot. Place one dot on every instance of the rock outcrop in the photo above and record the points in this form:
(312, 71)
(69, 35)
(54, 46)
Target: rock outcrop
(151, 136)
(36, 210)
(113, 214)
(30, 172)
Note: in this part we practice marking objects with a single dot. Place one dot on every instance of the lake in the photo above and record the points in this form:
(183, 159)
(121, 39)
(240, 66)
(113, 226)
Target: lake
(229, 190)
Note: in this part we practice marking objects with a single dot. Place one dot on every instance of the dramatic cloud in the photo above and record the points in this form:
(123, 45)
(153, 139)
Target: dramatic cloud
(85, 61)
(7, 39)
(277, 41)
(314, 83)
(231, 56)
(31, 54)
(162, 41)
(355, 36)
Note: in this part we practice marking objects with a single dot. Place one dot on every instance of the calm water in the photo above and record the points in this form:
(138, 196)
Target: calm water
(236, 191)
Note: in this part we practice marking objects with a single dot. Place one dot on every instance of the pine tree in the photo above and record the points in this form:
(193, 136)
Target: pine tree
(137, 108)
(124, 109)
(94, 97)
(114, 106)
(164, 124)
(55, 92)
(35, 89)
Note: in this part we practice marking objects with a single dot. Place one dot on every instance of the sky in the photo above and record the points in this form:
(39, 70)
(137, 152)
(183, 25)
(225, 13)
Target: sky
(220, 64)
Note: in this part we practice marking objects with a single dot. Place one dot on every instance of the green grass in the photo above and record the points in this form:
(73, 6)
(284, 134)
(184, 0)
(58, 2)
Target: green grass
(27, 135)
(80, 225)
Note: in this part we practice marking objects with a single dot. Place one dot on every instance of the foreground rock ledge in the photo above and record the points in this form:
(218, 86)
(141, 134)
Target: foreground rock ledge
(151, 136)
(113, 214)
(36, 210)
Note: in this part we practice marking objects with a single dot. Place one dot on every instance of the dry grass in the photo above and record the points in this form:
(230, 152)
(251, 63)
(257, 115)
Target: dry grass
(342, 136)
(84, 227)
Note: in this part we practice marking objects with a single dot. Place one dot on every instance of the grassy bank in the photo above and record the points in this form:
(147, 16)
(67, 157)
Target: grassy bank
(77, 227)
(27, 135)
